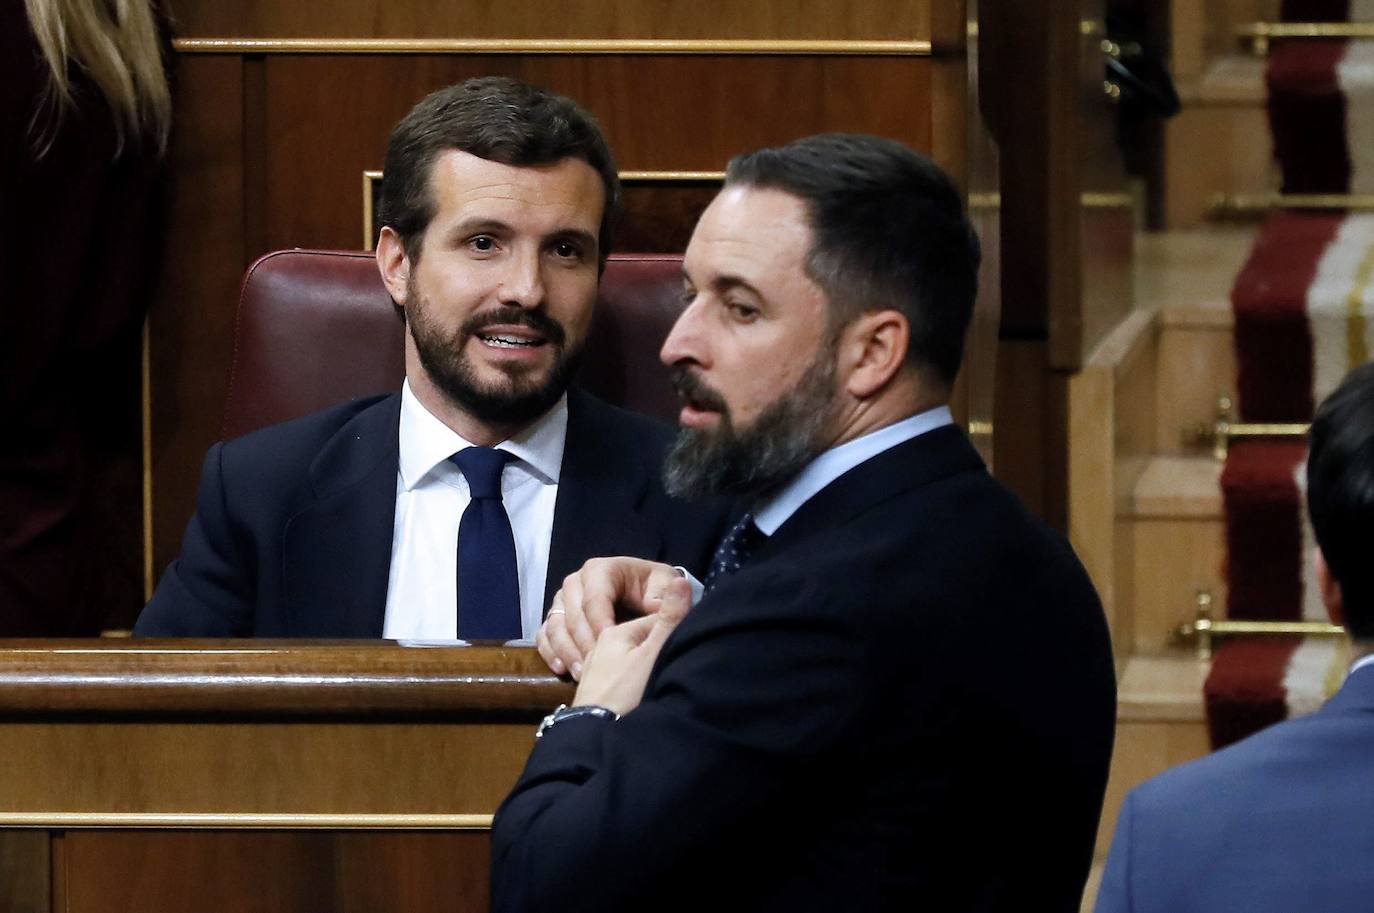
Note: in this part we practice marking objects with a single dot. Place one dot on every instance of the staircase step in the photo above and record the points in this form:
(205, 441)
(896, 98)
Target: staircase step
(1179, 488)
(1186, 275)
(1176, 547)
(1159, 725)
(1164, 687)
(1308, 88)
(1233, 79)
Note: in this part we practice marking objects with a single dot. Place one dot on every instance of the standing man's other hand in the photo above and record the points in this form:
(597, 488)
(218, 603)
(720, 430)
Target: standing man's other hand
(586, 606)
(617, 669)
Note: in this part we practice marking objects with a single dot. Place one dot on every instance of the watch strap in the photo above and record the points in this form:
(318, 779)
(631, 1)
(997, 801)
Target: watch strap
(563, 712)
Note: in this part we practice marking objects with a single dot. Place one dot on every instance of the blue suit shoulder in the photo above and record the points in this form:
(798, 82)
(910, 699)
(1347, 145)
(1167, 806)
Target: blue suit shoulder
(295, 444)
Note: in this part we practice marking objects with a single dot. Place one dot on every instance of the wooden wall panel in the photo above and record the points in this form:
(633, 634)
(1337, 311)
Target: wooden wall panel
(686, 19)
(124, 872)
(271, 150)
(24, 886)
(324, 130)
(203, 259)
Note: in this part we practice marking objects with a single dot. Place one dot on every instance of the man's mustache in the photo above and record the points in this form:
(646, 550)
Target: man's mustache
(538, 321)
(691, 388)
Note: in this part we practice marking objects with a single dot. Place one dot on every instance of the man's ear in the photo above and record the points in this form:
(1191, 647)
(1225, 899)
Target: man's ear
(872, 351)
(1330, 588)
(393, 264)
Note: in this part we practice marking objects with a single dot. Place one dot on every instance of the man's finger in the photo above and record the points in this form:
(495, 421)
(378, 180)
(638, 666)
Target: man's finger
(562, 654)
(546, 651)
(595, 614)
(675, 601)
(626, 636)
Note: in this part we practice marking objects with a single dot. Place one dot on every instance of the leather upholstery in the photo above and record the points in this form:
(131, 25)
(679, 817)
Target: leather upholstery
(315, 328)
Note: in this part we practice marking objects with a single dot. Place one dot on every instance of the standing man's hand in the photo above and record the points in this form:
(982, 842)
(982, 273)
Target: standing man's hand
(617, 669)
(586, 606)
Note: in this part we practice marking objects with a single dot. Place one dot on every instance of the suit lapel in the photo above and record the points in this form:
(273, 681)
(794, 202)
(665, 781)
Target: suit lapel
(925, 458)
(337, 551)
(601, 488)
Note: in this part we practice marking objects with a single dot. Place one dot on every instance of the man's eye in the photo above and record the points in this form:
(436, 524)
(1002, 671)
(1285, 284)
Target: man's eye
(567, 250)
(744, 313)
(483, 243)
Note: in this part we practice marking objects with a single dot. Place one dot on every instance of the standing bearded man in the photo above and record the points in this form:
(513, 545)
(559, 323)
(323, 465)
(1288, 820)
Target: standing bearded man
(897, 691)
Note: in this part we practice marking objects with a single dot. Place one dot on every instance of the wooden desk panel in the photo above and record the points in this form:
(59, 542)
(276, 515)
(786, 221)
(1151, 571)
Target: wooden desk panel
(258, 776)
(280, 872)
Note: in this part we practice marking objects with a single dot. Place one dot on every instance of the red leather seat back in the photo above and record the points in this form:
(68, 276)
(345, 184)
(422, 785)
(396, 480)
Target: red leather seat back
(316, 328)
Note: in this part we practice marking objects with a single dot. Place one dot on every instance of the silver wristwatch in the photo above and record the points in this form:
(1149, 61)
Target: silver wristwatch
(564, 712)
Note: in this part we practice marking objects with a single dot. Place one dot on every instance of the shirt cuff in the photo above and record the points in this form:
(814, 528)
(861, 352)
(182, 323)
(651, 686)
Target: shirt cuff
(698, 589)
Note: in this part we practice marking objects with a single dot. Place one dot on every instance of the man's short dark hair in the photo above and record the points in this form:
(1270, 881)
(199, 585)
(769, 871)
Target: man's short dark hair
(1340, 494)
(889, 231)
(499, 119)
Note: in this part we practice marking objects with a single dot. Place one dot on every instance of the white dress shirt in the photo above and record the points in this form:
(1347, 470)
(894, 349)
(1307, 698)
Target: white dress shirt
(431, 495)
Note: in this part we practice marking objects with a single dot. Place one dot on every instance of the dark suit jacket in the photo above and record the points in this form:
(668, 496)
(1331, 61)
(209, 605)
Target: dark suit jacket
(904, 700)
(1282, 821)
(293, 526)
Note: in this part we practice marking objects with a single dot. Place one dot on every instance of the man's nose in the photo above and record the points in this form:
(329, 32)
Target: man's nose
(523, 282)
(686, 340)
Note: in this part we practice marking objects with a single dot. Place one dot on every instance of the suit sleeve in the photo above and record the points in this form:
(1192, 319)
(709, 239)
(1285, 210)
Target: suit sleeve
(207, 591)
(740, 704)
(1114, 894)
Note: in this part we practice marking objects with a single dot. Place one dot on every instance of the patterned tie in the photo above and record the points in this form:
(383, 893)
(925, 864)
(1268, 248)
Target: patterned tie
(488, 585)
(739, 543)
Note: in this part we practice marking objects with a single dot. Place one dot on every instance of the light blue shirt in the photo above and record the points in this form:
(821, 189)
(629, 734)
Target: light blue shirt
(772, 512)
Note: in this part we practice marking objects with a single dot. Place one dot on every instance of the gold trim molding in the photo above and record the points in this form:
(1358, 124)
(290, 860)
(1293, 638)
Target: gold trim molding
(528, 46)
(371, 179)
(1246, 204)
(1259, 34)
(671, 176)
(242, 821)
(1090, 199)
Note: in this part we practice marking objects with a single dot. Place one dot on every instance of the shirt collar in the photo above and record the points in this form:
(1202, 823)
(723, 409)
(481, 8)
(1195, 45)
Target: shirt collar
(773, 511)
(426, 442)
(1361, 663)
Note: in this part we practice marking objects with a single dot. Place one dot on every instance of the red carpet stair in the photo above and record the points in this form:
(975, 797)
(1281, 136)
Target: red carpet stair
(1301, 307)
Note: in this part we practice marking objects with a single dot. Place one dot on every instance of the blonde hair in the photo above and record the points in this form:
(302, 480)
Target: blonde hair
(116, 44)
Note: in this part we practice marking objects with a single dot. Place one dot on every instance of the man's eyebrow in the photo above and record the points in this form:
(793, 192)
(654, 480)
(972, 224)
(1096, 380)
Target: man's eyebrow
(729, 282)
(580, 235)
(476, 225)
(723, 283)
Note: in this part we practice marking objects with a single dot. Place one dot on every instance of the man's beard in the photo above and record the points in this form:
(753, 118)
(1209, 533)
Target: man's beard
(521, 397)
(789, 433)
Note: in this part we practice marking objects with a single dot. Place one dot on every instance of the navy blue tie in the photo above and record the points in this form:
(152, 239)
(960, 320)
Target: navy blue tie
(488, 584)
(739, 543)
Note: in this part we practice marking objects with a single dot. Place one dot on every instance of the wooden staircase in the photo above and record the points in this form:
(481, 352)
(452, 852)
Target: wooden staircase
(1145, 498)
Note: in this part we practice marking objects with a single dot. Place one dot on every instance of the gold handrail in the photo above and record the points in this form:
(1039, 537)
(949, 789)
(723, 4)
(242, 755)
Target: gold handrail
(1223, 205)
(1203, 629)
(1259, 34)
(1219, 434)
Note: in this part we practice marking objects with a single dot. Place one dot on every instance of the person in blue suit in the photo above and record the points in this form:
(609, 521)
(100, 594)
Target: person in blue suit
(1283, 820)
(455, 508)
